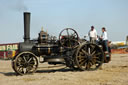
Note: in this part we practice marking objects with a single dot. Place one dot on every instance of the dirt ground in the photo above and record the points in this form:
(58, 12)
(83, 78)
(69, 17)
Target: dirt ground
(113, 73)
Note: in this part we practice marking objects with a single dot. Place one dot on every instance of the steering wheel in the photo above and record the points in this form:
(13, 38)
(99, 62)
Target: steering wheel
(69, 38)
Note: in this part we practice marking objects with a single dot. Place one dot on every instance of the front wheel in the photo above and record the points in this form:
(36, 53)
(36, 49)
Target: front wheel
(25, 63)
(89, 56)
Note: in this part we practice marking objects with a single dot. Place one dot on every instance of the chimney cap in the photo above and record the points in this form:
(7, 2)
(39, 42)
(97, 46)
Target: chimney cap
(26, 12)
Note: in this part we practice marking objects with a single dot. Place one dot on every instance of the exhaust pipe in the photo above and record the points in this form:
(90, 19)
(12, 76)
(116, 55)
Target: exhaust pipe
(26, 27)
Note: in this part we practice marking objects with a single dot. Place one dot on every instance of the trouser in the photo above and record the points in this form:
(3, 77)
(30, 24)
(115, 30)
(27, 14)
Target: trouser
(106, 45)
(92, 39)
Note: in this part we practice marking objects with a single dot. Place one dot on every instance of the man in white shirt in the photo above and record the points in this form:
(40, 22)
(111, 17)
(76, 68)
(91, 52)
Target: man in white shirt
(93, 35)
(105, 38)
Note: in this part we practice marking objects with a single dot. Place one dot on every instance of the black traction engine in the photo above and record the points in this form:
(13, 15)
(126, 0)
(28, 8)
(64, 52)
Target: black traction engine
(68, 49)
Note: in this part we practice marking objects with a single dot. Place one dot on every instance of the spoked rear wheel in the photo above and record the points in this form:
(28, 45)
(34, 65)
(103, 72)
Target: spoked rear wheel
(89, 57)
(25, 63)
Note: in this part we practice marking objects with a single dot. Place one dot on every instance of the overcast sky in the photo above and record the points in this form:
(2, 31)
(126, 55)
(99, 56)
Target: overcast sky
(55, 15)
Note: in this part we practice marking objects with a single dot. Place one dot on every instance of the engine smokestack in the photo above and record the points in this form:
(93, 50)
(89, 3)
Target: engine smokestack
(26, 27)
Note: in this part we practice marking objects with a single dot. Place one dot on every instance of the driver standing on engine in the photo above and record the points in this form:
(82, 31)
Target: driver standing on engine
(93, 35)
(104, 37)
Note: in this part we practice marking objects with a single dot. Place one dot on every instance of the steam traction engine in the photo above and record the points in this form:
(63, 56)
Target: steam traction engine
(69, 49)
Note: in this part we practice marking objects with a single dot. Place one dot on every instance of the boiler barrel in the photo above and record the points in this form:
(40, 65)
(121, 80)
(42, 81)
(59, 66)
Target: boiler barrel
(47, 49)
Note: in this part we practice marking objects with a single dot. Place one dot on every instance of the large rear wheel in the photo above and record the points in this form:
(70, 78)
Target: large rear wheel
(89, 56)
